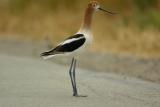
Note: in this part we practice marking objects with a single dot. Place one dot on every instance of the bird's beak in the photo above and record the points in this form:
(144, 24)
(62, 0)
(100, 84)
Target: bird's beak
(106, 11)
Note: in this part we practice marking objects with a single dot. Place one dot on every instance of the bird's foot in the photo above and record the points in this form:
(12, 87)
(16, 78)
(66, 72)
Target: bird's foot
(76, 95)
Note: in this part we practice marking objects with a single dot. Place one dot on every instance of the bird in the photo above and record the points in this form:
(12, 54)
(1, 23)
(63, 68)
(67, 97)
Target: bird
(77, 42)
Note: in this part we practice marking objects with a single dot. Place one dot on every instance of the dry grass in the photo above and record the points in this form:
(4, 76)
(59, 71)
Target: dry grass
(114, 37)
(111, 35)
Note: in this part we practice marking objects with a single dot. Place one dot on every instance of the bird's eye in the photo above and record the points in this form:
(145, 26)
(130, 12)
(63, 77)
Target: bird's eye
(94, 5)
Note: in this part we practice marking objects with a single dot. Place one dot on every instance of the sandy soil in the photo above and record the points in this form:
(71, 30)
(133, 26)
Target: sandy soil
(32, 82)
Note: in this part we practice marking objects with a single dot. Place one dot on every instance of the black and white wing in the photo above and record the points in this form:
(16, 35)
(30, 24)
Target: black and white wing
(68, 45)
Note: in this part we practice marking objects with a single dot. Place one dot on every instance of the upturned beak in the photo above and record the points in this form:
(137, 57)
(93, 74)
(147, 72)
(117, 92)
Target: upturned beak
(106, 11)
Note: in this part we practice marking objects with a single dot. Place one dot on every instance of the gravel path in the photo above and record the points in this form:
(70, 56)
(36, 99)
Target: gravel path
(29, 82)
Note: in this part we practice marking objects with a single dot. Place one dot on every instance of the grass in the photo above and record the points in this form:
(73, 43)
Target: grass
(135, 30)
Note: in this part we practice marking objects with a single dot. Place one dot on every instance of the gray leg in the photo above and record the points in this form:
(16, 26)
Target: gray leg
(74, 81)
(70, 73)
(74, 78)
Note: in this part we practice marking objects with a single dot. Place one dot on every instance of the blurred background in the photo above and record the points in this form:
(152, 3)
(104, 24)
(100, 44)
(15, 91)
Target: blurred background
(135, 30)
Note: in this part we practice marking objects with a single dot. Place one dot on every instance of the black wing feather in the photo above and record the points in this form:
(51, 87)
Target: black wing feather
(68, 47)
(75, 36)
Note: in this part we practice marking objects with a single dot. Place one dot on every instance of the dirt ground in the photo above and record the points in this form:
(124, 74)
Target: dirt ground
(31, 82)
(125, 65)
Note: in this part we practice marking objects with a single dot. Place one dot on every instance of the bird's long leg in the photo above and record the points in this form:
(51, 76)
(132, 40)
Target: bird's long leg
(74, 81)
(74, 78)
(71, 76)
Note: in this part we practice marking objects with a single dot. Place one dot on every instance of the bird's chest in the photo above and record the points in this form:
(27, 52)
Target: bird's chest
(89, 38)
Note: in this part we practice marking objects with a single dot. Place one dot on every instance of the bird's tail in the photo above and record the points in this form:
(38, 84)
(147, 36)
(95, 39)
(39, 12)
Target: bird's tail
(47, 55)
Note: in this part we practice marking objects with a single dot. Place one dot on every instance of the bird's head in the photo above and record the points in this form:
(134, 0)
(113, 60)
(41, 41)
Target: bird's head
(96, 6)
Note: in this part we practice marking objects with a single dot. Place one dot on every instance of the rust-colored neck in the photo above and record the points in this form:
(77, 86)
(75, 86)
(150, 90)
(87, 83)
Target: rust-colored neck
(87, 18)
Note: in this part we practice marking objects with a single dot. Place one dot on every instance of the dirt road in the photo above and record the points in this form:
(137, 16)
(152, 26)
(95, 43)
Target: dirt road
(125, 65)
(29, 82)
